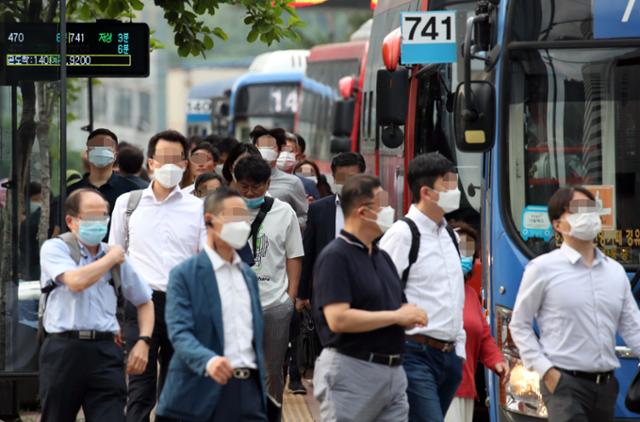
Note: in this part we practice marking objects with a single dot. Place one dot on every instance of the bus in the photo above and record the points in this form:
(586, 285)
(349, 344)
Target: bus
(274, 100)
(208, 108)
(544, 95)
(328, 64)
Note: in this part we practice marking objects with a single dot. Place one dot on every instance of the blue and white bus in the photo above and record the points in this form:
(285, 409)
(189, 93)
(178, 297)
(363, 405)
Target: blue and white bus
(553, 99)
(274, 99)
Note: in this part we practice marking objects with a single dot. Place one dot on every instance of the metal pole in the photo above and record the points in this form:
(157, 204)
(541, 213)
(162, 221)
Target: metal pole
(13, 191)
(90, 93)
(63, 113)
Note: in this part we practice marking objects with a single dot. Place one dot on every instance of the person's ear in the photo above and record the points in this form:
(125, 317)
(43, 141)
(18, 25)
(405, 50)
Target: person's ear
(150, 164)
(208, 220)
(71, 224)
(427, 192)
(268, 184)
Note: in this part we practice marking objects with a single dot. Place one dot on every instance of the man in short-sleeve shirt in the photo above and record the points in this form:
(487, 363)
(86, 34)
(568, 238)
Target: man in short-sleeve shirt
(357, 300)
(80, 363)
(278, 250)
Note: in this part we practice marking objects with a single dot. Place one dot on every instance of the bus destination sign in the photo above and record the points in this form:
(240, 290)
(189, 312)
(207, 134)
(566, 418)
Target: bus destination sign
(31, 51)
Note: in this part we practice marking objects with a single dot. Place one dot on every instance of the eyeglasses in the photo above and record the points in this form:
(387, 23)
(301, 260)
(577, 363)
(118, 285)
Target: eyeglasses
(203, 158)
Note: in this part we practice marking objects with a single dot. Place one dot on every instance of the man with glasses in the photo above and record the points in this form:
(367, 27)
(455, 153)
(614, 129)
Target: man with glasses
(101, 153)
(277, 248)
(215, 324)
(163, 229)
(424, 250)
(357, 303)
(80, 363)
(202, 159)
(580, 299)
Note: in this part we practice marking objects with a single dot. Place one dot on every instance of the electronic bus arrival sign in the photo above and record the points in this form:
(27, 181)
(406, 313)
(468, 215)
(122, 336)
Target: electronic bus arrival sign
(30, 51)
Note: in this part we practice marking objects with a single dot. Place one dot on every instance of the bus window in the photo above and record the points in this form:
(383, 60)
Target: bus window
(573, 120)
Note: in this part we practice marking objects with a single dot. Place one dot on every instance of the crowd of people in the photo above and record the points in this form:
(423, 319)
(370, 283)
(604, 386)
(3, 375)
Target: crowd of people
(197, 267)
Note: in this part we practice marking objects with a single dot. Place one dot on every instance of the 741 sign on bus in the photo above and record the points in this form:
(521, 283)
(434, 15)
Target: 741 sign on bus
(428, 37)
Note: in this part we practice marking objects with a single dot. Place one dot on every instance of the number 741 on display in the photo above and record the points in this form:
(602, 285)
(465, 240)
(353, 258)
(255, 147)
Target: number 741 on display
(428, 37)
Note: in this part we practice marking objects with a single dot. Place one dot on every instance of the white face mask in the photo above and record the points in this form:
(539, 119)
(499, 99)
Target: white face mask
(268, 154)
(314, 179)
(219, 168)
(235, 234)
(385, 218)
(584, 225)
(286, 160)
(449, 200)
(337, 188)
(169, 175)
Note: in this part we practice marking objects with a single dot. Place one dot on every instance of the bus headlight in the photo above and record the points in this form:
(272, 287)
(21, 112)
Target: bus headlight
(521, 394)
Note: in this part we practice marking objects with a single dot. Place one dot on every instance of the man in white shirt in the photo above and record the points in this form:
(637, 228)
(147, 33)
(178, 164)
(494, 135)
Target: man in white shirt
(165, 228)
(214, 320)
(434, 282)
(579, 298)
(276, 242)
(284, 186)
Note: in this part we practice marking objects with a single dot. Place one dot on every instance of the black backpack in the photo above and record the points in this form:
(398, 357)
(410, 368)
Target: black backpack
(74, 249)
(415, 246)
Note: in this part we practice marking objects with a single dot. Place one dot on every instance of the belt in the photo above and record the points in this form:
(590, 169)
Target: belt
(443, 346)
(89, 335)
(597, 377)
(379, 358)
(243, 373)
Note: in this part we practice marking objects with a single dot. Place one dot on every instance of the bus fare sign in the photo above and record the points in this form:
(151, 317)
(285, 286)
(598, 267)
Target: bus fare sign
(428, 37)
(31, 51)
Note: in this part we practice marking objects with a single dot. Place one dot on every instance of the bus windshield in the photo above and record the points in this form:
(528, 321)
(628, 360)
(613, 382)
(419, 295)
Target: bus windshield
(573, 119)
(269, 105)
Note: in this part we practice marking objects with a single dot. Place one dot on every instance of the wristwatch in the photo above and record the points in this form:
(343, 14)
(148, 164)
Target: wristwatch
(146, 339)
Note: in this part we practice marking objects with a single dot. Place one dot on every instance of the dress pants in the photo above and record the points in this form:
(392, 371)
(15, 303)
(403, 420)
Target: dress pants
(580, 400)
(240, 401)
(144, 389)
(81, 373)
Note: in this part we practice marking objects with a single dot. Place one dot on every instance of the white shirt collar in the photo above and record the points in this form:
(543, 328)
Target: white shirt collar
(217, 260)
(148, 191)
(337, 200)
(574, 256)
(423, 221)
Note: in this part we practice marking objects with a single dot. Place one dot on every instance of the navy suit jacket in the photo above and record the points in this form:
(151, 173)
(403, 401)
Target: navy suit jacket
(194, 322)
(318, 233)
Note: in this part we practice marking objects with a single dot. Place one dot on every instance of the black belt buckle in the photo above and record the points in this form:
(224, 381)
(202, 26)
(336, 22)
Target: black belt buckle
(388, 360)
(86, 335)
(242, 373)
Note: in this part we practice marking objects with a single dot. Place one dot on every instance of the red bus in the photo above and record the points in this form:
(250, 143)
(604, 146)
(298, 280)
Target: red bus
(328, 64)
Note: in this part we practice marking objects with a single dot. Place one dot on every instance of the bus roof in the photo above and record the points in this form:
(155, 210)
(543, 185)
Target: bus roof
(338, 51)
(280, 61)
(280, 78)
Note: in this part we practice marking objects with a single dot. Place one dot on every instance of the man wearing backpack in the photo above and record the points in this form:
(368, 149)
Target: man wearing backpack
(424, 250)
(82, 280)
(159, 227)
(276, 242)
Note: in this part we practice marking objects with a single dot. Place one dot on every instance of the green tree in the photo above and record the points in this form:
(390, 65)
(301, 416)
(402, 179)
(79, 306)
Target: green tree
(270, 21)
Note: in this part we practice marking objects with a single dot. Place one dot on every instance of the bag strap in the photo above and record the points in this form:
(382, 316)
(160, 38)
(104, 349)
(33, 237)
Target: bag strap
(413, 251)
(132, 204)
(72, 243)
(454, 239)
(255, 226)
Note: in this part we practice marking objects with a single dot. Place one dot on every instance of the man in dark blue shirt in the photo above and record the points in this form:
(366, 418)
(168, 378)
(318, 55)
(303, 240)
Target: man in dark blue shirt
(360, 315)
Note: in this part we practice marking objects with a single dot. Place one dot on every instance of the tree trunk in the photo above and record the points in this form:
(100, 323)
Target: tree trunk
(46, 107)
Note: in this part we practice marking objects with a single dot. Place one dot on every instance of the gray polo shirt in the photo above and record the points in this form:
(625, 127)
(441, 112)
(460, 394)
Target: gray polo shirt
(288, 188)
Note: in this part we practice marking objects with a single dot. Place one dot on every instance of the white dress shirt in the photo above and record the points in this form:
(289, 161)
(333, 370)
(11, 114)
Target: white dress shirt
(162, 234)
(237, 318)
(436, 282)
(578, 310)
(339, 217)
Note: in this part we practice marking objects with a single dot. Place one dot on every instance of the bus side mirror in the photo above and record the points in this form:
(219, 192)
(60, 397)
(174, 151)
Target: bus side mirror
(392, 95)
(474, 116)
(343, 111)
(340, 144)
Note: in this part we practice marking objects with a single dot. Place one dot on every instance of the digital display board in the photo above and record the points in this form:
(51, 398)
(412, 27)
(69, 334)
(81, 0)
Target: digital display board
(31, 51)
(266, 100)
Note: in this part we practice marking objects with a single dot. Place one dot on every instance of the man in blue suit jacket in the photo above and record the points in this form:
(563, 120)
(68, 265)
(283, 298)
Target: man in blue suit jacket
(214, 319)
